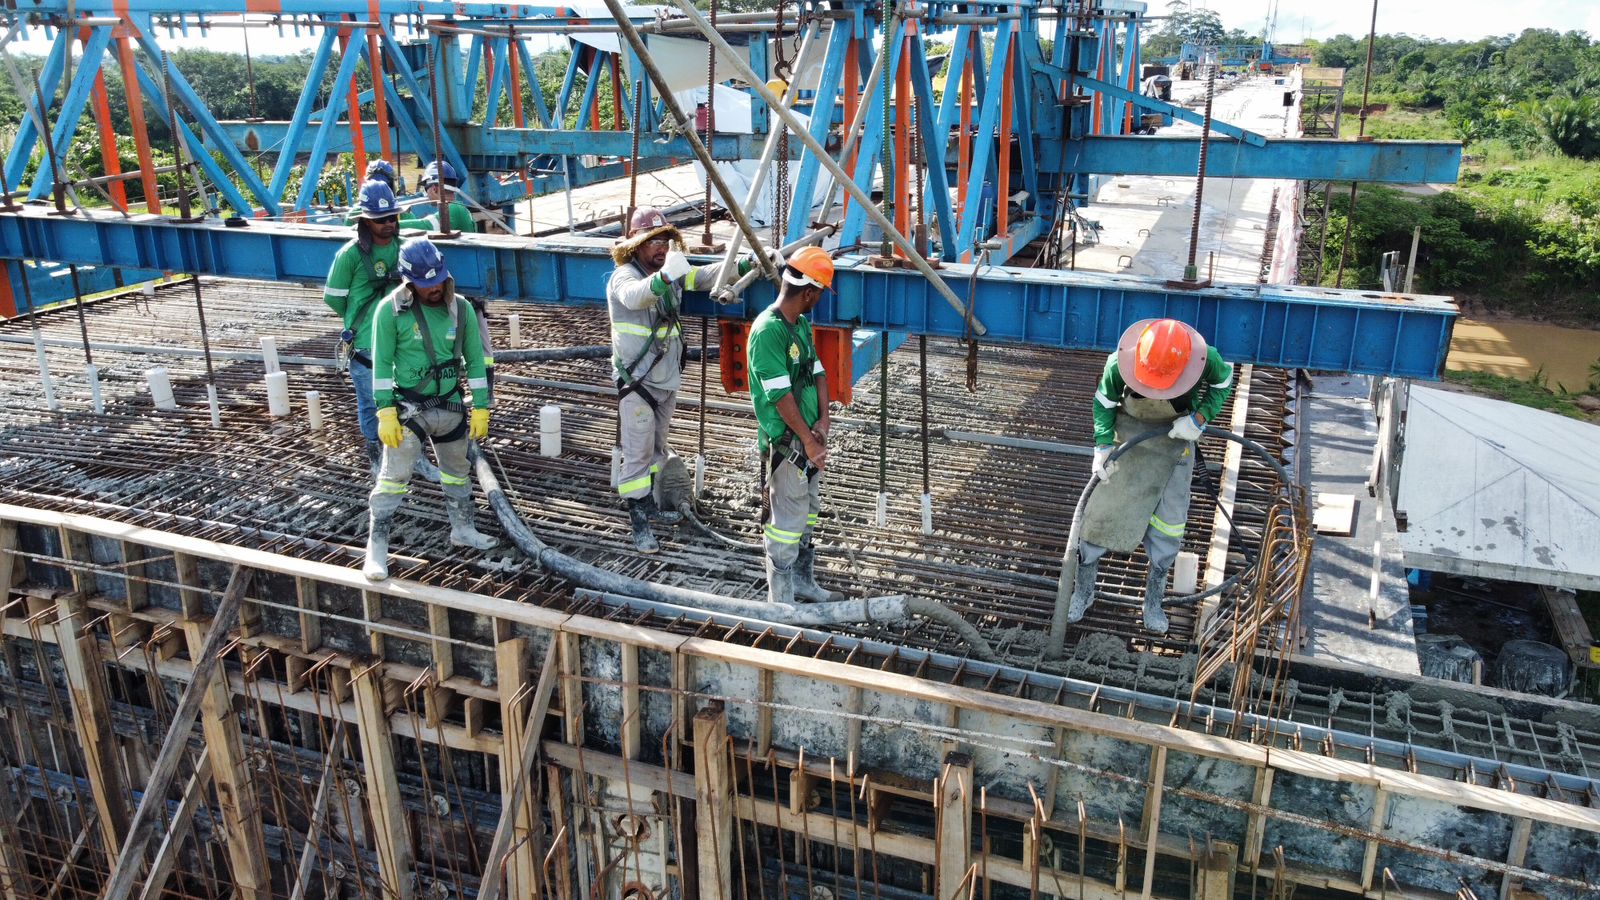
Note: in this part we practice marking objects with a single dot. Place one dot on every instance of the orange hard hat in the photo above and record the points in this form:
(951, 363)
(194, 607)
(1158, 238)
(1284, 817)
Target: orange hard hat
(1163, 353)
(811, 266)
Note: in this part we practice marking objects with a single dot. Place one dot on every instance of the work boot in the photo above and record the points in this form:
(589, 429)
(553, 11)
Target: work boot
(1155, 588)
(375, 457)
(805, 578)
(427, 470)
(376, 567)
(462, 531)
(658, 515)
(1082, 589)
(780, 584)
(644, 540)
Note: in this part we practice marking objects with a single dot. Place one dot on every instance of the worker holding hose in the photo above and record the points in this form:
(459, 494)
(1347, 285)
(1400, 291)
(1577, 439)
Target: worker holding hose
(790, 392)
(424, 352)
(1162, 375)
(645, 298)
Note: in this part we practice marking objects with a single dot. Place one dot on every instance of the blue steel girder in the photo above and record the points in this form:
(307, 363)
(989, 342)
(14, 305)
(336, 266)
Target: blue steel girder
(1386, 162)
(1272, 325)
(71, 107)
(1177, 112)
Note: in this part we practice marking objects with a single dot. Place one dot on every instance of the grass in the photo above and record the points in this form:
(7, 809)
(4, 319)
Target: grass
(1396, 124)
(1532, 392)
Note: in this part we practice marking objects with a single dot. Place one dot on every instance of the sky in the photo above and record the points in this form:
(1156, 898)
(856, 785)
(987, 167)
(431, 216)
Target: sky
(1447, 19)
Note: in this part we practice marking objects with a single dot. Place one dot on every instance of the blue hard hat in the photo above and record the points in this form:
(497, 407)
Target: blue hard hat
(421, 263)
(382, 171)
(375, 200)
(440, 171)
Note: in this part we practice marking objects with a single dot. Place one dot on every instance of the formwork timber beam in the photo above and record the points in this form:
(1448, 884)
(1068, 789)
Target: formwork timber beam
(1271, 325)
(1103, 758)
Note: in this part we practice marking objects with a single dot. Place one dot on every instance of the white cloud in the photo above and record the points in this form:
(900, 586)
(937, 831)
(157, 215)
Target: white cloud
(1453, 20)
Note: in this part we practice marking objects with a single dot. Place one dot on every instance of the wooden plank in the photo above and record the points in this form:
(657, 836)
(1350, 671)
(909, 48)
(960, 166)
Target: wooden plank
(1152, 816)
(444, 659)
(167, 854)
(511, 676)
(953, 813)
(1517, 854)
(133, 574)
(1216, 871)
(391, 835)
(237, 797)
(1256, 830)
(713, 792)
(1571, 628)
(632, 727)
(305, 597)
(1333, 514)
(191, 596)
(559, 868)
(1369, 862)
(175, 745)
(91, 717)
(514, 812)
(571, 662)
(75, 548)
(372, 611)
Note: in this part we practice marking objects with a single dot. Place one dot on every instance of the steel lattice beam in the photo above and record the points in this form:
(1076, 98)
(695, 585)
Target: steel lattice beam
(1272, 325)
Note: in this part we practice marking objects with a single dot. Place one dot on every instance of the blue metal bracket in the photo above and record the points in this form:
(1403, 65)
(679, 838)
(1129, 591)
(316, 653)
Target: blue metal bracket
(1271, 325)
(1177, 112)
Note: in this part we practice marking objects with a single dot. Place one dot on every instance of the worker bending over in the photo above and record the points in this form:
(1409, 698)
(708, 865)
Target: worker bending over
(790, 392)
(645, 299)
(1162, 375)
(424, 344)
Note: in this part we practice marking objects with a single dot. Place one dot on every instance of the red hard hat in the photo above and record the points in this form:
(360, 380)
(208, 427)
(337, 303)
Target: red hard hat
(645, 218)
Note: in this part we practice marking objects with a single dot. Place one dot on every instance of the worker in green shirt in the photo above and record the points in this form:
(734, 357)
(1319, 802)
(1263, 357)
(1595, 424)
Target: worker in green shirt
(362, 272)
(424, 346)
(1162, 375)
(441, 183)
(790, 392)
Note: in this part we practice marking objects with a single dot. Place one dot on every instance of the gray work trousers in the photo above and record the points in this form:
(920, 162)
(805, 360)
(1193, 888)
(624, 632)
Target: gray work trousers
(644, 440)
(394, 478)
(1163, 536)
(794, 501)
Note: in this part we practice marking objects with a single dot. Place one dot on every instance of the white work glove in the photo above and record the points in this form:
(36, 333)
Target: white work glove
(676, 267)
(1188, 428)
(775, 256)
(1103, 465)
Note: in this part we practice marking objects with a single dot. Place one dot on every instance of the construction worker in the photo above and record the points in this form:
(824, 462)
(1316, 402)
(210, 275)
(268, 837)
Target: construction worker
(423, 343)
(790, 392)
(1162, 375)
(441, 183)
(382, 170)
(644, 298)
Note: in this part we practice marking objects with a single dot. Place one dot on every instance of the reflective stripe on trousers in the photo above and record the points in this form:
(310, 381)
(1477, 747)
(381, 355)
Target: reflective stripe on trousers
(795, 501)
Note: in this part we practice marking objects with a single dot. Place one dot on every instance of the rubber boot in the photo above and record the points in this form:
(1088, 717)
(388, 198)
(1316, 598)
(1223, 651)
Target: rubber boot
(1082, 590)
(376, 567)
(1155, 588)
(644, 540)
(805, 578)
(462, 531)
(427, 470)
(780, 584)
(375, 457)
(658, 515)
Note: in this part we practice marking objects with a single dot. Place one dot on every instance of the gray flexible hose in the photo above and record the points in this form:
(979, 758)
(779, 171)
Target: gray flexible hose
(893, 608)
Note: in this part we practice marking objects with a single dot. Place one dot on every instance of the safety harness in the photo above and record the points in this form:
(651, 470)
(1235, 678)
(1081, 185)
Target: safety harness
(413, 403)
(630, 381)
(790, 447)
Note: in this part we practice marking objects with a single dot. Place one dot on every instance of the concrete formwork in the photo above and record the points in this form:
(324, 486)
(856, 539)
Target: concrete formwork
(680, 755)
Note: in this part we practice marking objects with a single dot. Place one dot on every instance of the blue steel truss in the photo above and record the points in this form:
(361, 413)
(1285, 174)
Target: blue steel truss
(1271, 325)
(1024, 121)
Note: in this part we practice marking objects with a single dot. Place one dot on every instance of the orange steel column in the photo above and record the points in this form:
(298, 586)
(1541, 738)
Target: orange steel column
(358, 148)
(594, 105)
(852, 100)
(616, 92)
(902, 135)
(108, 142)
(964, 139)
(1003, 155)
(380, 103)
(141, 135)
(1133, 88)
(514, 77)
(8, 302)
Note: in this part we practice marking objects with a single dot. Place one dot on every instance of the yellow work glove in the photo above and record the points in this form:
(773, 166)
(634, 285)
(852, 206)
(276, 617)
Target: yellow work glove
(390, 431)
(478, 426)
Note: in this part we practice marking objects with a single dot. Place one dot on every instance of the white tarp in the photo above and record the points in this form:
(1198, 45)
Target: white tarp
(1496, 490)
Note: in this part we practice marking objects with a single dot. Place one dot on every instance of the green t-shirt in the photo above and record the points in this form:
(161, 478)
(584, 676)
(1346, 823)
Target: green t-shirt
(1207, 397)
(400, 360)
(460, 217)
(356, 282)
(782, 359)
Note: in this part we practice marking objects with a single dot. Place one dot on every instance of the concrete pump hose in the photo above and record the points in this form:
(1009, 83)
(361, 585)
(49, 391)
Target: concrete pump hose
(1058, 622)
(895, 608)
